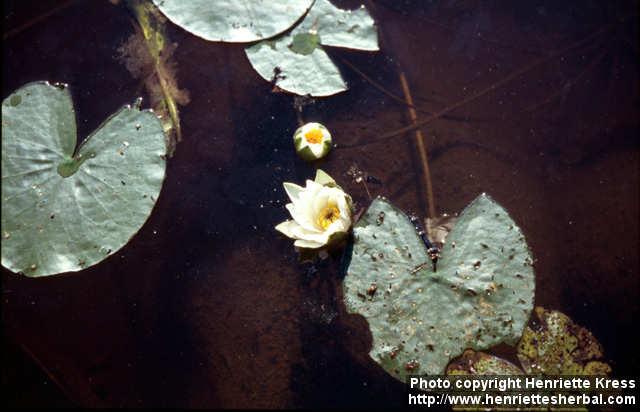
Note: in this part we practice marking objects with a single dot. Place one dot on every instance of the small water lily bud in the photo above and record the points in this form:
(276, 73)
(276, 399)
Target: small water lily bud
(312, 141)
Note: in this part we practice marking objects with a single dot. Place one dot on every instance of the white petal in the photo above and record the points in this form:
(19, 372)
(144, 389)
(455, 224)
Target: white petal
(302, 216)
(287, 228)
(313, 188)
(320, 202)
(317, 148)
(303, 234)
(307, 244)
(323, 178)
(293, 190)
(293, 230)
(345, 211)
(302, 143)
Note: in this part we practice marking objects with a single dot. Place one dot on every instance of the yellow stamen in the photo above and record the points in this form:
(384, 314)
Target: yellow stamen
(314, 136)
(329, 214)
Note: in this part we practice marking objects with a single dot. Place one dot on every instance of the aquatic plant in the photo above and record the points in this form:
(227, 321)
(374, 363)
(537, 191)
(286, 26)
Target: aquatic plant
(421, 315)
(65, 208)
(296, 61)
(237, 21)
(552, 344)
(312, 141)
(147, 55)
(321, 212)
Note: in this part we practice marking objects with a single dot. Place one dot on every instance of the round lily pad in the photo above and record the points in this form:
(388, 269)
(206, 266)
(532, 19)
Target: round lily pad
(65, 209)
(480, 295)
(234, 21)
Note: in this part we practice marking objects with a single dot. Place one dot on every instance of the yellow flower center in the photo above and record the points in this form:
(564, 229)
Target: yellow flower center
(329, 214)
(314, 136)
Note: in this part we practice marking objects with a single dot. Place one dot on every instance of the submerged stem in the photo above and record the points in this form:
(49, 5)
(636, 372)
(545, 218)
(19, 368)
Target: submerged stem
(422, 150)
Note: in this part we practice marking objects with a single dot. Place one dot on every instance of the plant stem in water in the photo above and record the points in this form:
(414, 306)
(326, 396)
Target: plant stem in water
(422, 150)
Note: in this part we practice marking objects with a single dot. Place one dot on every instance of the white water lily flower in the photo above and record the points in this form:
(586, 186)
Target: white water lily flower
(321, 212)
(312, 141)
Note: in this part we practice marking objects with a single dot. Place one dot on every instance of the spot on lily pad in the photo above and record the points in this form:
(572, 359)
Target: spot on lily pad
(15, 100)
(304, 43)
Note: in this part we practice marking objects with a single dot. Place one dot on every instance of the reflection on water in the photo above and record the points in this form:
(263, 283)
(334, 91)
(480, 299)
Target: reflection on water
(207, 306)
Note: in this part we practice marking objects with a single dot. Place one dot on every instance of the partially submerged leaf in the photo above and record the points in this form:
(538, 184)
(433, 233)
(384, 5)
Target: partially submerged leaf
(480, 296)
(63, 210)
(236, 21)
(472, 364)
(480, 363)
(555, 345)
(296, 61)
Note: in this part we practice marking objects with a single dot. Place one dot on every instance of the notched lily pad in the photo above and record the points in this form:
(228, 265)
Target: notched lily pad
(554, 345)
(296, 62)
(480, 296)
(65, 209)
(235, 21)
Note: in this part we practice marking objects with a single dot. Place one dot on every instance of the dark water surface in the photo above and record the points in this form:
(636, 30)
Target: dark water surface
(207, 305)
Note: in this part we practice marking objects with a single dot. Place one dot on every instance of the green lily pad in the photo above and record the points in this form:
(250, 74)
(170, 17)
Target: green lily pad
(554, 345)
(481, 294)
(234, 21)
(62, 210)
(296, 62)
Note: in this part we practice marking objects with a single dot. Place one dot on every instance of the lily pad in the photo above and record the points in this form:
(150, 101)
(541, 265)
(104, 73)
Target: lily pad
(296, 62)
(481, 294)
(66, 210)
(554, 345)
(234, 21)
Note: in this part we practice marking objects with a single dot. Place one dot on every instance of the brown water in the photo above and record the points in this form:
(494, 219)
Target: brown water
(207, 305)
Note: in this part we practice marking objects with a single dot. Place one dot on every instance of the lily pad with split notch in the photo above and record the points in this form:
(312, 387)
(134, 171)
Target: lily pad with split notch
(481, 294)
(297, 62)
(65, 209)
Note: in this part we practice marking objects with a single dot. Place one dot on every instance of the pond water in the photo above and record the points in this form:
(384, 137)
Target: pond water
(207, 306)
